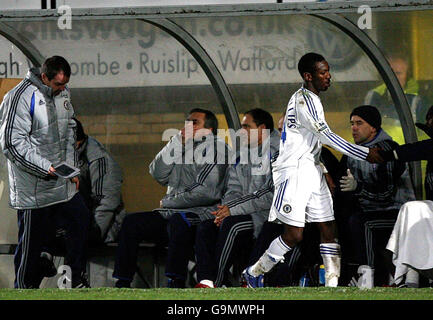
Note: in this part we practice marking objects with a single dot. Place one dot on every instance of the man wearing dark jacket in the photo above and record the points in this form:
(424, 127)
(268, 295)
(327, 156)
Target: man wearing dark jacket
(421, 150)
(410, 241)
(415, 151)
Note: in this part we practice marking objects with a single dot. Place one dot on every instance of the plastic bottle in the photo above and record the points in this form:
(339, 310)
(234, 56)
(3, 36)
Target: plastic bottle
(321, 275)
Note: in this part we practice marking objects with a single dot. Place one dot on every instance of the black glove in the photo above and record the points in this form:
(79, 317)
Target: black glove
(387, 155)
(425, 128)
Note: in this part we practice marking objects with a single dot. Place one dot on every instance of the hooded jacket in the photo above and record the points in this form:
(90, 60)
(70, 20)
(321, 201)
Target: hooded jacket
(381, 187)
(250, 191)
(37, 132)
(249, 187)
(101, 186)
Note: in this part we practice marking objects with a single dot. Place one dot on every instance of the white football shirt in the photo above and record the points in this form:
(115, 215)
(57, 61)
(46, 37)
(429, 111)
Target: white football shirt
(304, 131)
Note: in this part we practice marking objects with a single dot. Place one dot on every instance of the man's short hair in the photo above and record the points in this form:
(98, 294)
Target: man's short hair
(261, 116)
(52, 66)
(210, 119)
(79, 130)
(307, 63)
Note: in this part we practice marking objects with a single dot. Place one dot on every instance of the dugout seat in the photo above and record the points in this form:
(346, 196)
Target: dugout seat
(99, 255)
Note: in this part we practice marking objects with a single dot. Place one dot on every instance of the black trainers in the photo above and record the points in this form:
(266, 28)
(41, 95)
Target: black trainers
(80, 282)
(176, 283)
(48, 269)
(123, 284)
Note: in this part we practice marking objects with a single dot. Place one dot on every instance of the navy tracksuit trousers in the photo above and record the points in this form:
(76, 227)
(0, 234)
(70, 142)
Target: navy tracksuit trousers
(37, 226)
(152, 227)
(218, 247)
(365, 234)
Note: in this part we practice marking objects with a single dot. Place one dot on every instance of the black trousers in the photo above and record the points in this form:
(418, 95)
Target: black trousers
(363, 238)
(217, 247)
(36, 226)
(366, 235)
(150, 226)
(181, 230)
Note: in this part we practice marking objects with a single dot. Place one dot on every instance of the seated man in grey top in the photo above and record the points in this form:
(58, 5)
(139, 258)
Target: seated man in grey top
(193, 167)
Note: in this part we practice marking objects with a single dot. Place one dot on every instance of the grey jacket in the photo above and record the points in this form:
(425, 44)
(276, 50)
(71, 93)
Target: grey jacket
(100, 185)
(250, 193)
(191, 186)
(246, 191)
(37, 132)
(381, 187)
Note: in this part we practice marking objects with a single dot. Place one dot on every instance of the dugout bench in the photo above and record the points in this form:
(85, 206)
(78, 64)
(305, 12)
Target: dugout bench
(146, 249)
(107, 253)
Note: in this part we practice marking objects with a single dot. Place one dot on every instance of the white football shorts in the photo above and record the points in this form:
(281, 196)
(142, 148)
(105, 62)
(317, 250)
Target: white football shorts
(302, 196)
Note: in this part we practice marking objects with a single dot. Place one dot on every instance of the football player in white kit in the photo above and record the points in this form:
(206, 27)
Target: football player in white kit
(301, 193)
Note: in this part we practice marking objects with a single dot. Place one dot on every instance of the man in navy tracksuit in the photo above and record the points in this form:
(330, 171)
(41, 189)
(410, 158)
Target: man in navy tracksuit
(37, 133)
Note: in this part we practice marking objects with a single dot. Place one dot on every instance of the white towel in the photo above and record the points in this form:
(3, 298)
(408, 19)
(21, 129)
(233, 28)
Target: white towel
(411, 240)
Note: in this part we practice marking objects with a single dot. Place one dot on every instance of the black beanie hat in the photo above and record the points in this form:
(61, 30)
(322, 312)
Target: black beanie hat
(369, 114)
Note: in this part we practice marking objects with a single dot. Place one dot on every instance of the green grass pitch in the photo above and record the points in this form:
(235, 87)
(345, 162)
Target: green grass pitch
(289, 293)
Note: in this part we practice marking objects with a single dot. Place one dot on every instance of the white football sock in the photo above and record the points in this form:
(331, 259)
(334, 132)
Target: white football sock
(274, 254)
(412, 278)
(330, 253)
